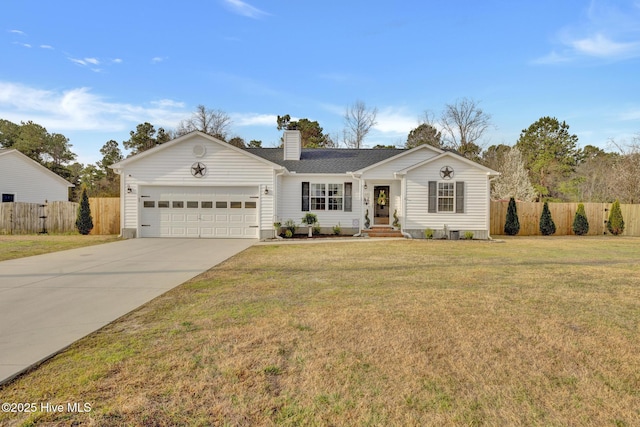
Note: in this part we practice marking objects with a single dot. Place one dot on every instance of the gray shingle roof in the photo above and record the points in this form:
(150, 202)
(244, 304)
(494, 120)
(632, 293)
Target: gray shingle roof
(327, 160)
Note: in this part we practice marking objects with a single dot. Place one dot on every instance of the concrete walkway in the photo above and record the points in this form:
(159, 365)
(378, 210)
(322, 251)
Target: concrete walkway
(49, 301)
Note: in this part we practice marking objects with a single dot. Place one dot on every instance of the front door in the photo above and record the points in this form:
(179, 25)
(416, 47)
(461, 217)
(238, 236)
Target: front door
(381, 201)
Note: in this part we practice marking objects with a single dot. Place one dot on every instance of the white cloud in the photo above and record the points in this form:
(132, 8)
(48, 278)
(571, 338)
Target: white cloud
(396, 121)
(46, 46)
(21, 33)
(117, 61)
(158, 59)
(610, 32)
(27, 45)
(79, 109)
(602, 46)
(253, 119)
(93, 61)
(245, 9)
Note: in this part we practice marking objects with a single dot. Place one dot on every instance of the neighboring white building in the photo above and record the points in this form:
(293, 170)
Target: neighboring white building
(25, 180)
(199, 186)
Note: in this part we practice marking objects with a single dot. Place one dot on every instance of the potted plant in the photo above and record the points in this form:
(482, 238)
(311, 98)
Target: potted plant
(310, 219)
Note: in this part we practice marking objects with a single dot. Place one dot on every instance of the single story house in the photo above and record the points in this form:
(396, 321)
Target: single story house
(199, 186)
(24, 180)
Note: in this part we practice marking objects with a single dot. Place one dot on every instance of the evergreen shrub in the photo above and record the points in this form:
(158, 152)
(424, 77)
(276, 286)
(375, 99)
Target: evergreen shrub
(580, 223)
(615, 225)
(84, 221)
(512, 224)
(547, 226)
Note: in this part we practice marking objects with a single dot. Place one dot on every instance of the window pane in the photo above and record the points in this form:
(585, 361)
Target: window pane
(250, 205)
(177, 204)
(335, 190)
(149, 204)
(235, 205)
(192, 205)
(163, 204)
(206, 205)
(318, 190)
(221, 205)
(335, 203)
(318, 203)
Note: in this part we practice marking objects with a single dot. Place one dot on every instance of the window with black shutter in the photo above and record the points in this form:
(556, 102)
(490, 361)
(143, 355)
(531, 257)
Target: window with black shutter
(347, 197)
(305, 196)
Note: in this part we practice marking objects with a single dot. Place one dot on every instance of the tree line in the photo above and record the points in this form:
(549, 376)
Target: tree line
(544, 164)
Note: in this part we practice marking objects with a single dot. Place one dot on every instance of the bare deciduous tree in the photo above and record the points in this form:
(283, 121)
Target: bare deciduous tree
(463, 124)
(514, 179)
(358, 121)
(626, 173)
(212, 122)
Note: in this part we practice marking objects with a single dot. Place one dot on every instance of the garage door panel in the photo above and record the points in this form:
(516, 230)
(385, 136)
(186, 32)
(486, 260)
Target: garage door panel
(199, 211)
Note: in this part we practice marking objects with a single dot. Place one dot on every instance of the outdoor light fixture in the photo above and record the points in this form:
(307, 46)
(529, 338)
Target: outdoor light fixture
(365, 186)
(129, 190)
(266, 190)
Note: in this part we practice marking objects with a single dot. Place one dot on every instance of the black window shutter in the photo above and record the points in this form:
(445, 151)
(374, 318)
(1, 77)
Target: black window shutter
(459, 196)
(433, 196)
(305, 196)
(347, 196)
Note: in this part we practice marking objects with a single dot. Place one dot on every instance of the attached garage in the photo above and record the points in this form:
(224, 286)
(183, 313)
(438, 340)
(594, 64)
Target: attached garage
(197, 186)
(205, 212)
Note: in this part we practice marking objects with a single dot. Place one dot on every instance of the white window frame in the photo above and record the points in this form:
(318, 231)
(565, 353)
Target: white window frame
(335, 197)
(450, 197)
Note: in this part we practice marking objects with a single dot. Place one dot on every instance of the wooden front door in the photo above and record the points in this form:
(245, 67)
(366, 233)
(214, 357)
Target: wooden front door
(381, 210)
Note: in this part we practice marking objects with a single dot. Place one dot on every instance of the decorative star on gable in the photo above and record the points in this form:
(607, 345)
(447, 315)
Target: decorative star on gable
(446, 172)
(198, 170)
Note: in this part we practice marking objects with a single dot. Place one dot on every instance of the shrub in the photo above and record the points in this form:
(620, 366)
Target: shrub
(290, 225)
(580, 223)
(428, 233)
(84, 222)
(547, 226)
(615, 225)
(337, 230)
(367, 221)
(468, 235)
(316, 229)
(396, 220)
(512, 224)
(288, 233)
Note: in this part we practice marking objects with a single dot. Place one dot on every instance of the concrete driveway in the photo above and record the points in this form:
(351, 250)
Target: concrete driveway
(49, 301)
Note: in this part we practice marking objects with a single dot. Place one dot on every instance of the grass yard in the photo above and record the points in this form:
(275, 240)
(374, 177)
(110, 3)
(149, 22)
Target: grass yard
(531, 332)
(19, 246)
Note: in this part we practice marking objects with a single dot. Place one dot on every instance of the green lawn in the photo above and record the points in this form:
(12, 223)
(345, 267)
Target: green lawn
(19, 246)
(532, 331)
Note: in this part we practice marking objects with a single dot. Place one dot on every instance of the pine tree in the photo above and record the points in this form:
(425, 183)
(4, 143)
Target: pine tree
(580, 222)
(615, 225)
(84, 222)
(547, 226)
(512, 224)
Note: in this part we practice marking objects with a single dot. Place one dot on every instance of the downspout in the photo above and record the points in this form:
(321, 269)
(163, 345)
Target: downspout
(489, 207)
(276, 190)
(403, 200)
(118, 171)
(359, 178)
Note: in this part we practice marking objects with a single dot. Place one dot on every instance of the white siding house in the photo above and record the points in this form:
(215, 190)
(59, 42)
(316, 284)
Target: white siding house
(25, 180)
(198, 186)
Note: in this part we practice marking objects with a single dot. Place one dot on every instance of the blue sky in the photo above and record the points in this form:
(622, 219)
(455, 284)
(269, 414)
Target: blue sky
(93, 70)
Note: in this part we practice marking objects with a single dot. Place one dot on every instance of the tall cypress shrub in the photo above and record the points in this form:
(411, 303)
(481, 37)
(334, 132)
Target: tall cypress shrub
(547, 226)
(512, 224)
(580, 223)
(84, 222)
(615, 225)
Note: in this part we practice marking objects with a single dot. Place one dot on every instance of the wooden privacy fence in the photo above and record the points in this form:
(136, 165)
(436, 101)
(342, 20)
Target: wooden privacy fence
(563, 214)
(59, 217)
(26, 218)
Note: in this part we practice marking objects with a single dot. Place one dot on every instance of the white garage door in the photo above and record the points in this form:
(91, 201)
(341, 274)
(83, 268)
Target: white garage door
(210, 212)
